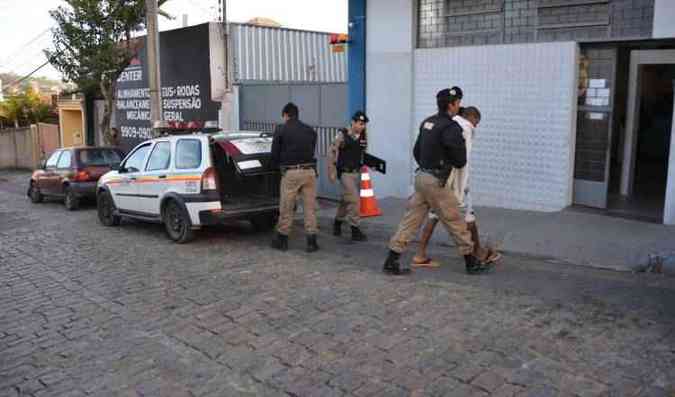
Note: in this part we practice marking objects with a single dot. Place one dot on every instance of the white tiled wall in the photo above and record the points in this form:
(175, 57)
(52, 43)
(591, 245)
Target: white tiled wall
(524, 148)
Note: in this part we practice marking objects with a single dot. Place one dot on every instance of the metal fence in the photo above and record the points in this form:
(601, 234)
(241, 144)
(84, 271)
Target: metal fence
(322, 105)
(326, 135)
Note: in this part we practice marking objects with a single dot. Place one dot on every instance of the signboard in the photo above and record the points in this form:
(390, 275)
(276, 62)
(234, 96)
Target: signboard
(185, 80)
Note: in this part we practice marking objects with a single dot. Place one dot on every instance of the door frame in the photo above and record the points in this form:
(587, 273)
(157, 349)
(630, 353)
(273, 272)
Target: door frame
(639, 58)
(669, 206)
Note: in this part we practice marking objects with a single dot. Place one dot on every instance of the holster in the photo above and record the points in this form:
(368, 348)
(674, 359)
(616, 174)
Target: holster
(442, 175)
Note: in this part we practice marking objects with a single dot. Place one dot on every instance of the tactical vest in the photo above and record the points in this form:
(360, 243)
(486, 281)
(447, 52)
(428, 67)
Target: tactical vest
(351, 152)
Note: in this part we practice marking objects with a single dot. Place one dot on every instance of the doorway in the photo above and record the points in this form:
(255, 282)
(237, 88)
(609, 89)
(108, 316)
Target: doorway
(645, 180)
(652, 140)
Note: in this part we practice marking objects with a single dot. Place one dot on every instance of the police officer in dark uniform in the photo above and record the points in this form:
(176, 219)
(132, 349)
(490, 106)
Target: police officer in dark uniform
(345, 158)
(293, 148)
(440, 146)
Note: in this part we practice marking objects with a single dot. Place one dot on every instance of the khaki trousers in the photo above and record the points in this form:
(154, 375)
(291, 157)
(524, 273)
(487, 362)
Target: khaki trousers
(297, 182)
(430, 195)
(349, 207)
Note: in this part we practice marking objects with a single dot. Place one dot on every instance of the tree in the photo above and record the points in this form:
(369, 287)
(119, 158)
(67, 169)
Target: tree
(12, 109)
(93, 44)
(25, 108)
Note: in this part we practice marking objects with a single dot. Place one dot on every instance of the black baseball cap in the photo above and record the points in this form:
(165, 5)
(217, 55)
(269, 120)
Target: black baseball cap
(450, 94)
(360, 116)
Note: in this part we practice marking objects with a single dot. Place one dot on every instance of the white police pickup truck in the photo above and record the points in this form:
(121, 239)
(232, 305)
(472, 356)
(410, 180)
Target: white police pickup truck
(192, 180)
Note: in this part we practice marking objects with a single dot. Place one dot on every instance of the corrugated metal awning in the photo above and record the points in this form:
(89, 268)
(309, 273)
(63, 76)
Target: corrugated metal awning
(276, 54)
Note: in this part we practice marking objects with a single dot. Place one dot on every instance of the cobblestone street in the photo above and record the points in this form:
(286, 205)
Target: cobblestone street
(89, 310)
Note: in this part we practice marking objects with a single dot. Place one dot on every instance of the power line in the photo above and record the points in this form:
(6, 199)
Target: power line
(15, 83)
(11, 56)
(23, 59)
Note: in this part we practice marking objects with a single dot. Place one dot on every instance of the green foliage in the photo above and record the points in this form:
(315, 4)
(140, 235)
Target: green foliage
(25, 109)
(93, 43)
(93, 39)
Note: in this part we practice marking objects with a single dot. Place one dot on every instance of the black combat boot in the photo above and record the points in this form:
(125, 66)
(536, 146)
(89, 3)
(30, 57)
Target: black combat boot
(312, 246)
(337, 228)
(357, 234)
(280, 242)
(392, 265)
(475, 266)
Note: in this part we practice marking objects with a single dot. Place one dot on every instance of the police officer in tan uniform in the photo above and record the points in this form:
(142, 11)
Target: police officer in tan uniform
(439, 148)
(293, 148)
(344, 163)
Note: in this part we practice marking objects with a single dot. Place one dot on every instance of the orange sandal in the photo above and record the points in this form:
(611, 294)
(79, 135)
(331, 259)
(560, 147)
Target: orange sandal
(492, 256)
(425, 262)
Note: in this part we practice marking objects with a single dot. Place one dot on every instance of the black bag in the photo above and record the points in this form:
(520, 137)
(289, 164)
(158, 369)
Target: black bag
(375, 163)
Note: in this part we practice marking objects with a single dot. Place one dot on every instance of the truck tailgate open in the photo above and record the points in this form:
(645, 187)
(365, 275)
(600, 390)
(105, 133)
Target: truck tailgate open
(247, 183)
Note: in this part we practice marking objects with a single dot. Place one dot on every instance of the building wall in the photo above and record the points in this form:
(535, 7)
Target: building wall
(16, 148)
(389, 91)
(47, 139)
(448, 23)
(524, 148)
(20, 148)
(72, 127)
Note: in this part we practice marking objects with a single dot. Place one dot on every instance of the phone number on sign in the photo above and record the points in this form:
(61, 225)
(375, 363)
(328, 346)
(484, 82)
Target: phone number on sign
(136, 132)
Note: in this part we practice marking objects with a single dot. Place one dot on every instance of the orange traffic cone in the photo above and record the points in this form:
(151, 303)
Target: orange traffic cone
(369, 205)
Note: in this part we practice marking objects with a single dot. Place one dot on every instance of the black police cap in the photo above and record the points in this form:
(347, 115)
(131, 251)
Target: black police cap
(450, 93)
(360, 116)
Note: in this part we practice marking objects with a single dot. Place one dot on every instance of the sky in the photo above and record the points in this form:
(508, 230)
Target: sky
(24, 24)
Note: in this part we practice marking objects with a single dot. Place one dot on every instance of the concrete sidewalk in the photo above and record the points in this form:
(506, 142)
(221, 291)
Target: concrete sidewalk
(571, 235)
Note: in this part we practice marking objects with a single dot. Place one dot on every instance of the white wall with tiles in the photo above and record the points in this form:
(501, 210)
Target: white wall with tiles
(523, 156)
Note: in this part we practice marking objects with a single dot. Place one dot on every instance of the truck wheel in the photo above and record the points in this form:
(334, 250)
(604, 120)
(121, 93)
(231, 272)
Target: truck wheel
(177, 223)
(71, 201)
(106, 210)
(34, 193)
(264, 222)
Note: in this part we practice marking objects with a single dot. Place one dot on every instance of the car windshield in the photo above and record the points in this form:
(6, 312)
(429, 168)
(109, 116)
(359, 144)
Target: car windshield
(99, 157)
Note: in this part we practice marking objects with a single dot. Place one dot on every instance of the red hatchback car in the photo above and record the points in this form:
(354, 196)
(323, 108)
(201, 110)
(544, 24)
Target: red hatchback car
(72, 173)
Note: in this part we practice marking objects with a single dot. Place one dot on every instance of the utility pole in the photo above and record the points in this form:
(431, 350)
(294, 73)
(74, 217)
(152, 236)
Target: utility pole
(228, 83)
(226, 121)
(152, 45)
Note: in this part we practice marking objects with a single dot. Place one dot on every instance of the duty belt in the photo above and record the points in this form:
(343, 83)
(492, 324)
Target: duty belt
(307, 166)
(431, 171)
(440, 174)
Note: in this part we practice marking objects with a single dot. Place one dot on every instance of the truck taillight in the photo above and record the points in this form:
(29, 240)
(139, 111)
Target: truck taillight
(82, 176)
(209, 179)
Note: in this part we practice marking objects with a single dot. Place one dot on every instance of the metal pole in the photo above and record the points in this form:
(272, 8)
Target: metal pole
(226, 105)
(153, 66)
(227, 48)
(357, 56)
